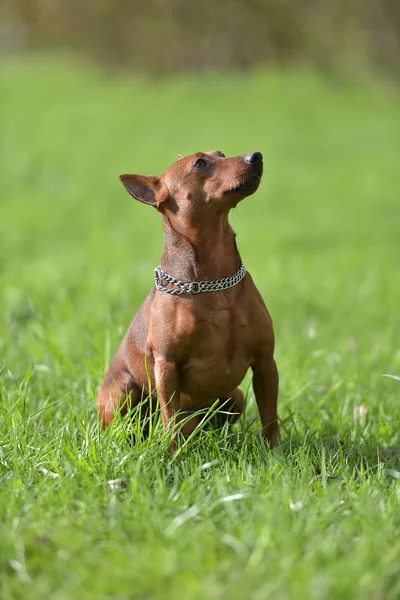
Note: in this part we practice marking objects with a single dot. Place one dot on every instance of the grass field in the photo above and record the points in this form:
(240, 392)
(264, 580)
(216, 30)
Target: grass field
(319, 518)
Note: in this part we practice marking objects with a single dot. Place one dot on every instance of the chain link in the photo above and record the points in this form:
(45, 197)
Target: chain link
(164, 282)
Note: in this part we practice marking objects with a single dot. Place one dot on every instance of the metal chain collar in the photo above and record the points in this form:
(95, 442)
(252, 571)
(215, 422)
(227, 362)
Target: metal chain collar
(164, 282)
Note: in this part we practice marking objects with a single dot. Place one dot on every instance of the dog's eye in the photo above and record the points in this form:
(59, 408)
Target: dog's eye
(200, 163)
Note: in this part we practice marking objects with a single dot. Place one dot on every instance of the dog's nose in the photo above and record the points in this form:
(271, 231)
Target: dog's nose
(254, 157)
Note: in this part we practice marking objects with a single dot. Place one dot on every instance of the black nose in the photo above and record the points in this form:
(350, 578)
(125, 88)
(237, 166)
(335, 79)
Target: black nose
(254, 157)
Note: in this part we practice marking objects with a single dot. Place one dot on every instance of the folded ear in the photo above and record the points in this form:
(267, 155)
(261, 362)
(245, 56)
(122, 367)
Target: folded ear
(217, 153)
(145, 189)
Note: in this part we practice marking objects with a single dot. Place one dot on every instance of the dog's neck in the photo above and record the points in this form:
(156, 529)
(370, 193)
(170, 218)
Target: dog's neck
(206, 251)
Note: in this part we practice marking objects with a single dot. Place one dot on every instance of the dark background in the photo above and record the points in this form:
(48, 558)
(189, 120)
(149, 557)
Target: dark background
(163, 36)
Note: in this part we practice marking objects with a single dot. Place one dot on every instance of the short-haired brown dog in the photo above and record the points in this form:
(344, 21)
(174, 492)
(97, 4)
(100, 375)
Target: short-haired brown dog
(204, 322)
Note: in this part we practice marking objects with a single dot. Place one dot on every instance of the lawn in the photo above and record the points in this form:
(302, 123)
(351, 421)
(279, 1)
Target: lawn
(84, 513)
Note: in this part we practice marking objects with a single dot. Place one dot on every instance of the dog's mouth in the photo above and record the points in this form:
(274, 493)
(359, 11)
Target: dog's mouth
(250, 183)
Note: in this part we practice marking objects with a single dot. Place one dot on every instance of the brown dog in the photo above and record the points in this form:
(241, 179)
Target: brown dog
(204, 322)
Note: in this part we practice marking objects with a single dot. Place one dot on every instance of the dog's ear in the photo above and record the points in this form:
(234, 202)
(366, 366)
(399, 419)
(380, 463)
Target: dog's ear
(146, 189)
(217, 153)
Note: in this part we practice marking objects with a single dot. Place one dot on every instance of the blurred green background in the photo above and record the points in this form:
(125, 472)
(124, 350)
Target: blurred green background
(176, 35)
(89, 90)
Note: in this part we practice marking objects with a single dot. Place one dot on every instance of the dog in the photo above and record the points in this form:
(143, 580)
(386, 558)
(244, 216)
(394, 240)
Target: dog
(204, 323)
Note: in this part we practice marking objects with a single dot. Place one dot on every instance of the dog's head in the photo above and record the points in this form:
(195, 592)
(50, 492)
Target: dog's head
(200, 185)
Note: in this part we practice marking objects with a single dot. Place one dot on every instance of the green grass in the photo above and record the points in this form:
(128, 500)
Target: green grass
(317, 519)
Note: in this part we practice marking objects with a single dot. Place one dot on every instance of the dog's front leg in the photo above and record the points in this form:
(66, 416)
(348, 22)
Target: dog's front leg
(265, 385)
(166, 377)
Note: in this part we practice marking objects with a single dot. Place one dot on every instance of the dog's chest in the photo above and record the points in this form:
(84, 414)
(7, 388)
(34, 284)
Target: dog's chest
(215, 352)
